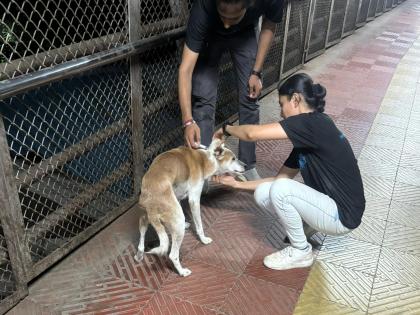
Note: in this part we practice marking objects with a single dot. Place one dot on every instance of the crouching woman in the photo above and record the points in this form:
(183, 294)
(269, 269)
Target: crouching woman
(331, 200)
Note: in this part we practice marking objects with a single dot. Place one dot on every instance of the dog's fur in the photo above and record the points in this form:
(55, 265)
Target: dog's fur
(174, 175)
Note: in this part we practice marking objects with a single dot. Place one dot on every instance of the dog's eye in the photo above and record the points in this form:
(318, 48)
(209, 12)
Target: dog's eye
(234, 159)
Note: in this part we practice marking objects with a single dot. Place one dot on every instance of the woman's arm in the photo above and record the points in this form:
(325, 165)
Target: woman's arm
(273, 131)
(284, 172)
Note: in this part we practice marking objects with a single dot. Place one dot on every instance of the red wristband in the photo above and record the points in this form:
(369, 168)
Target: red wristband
(188, 122)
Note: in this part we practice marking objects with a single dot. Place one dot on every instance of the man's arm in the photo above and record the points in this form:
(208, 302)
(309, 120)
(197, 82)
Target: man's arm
(189, 60)
(266, 37)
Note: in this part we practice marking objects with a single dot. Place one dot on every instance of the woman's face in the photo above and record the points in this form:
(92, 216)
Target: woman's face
(287, 107)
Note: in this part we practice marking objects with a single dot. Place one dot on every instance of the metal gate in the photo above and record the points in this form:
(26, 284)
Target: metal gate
(372, 10)
(363, 12)
(272, 63)
(351, 17)
(319, 27)
(296, 30)
(336, 24)
(388, 5)
(380, 7)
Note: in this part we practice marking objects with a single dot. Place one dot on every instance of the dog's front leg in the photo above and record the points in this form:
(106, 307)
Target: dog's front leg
(194, 201)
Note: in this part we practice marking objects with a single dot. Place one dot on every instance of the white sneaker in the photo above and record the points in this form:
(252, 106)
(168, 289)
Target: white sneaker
(290, 258)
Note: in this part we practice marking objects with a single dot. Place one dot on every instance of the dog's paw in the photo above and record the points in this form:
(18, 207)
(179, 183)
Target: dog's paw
(187, 225)
(206, 240)
(139, 256)
(184, 272)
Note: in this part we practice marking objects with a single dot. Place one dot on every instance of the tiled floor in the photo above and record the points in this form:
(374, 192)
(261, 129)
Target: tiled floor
(373, 86)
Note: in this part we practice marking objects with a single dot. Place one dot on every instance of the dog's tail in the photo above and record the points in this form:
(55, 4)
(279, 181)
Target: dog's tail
(163, 247)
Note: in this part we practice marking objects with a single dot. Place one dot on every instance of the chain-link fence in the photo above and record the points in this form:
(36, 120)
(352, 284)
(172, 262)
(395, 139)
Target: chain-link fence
(89, 98)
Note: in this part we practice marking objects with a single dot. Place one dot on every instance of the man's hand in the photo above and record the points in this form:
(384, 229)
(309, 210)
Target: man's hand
(254, 86)
(192, 136)
(226, 180)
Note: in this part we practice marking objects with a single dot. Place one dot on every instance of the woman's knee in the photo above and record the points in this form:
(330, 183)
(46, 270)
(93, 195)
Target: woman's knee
(262, 194)
(281, 189)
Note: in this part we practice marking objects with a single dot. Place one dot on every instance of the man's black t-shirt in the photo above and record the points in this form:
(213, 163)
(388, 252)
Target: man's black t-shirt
(327, 163)
(205, 21)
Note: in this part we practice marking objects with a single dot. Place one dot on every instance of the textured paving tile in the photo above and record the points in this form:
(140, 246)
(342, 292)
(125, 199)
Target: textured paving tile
(370, 230)
(243, 224)
(207, 285)
(384, 142)
(391, 120)
(311, 304)
(253, 296)
(399, 267)
(402, 238)
(95, 295)
(406, 193)
(410, 160)
(376, 186)
(27, 306)
(378, 168)
(338, 284)
(408, 176)
(294, 278)
(344, 251)
(390, 297)
(227, 251)
(162, 304)
(404, 214)
(151, 272)
(377, 207)
(372, 153)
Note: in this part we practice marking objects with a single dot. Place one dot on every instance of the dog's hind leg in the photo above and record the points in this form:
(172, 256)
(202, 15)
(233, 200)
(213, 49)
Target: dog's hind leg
(143, 224)
(162, 249)
(176, 227)
(194, 201)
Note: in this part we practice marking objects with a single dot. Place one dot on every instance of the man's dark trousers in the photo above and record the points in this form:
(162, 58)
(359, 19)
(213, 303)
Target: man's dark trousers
(243, 49)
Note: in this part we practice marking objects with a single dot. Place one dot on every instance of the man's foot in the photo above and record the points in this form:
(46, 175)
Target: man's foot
(290, 258)
(251, 174)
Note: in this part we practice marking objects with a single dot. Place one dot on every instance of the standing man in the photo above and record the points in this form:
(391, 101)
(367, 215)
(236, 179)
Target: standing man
(215, 26)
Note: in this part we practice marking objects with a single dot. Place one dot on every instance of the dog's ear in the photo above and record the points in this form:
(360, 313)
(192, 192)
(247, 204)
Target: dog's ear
(217, 147)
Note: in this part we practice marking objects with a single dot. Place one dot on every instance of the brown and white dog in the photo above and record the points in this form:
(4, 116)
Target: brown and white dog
(175, 175)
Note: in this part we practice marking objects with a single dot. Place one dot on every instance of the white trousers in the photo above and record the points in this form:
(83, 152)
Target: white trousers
(293, 202)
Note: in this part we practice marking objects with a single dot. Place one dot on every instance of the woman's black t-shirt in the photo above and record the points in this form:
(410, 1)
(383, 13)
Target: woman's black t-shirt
(327, 163)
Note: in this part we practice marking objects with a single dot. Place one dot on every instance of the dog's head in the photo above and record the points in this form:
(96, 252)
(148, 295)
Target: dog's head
(226, 159)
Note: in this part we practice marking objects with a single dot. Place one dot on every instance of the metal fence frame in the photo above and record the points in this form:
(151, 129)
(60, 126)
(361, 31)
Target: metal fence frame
(324, 21)
(334, 16)
(142, 39)
(363, 13)
(351, 17)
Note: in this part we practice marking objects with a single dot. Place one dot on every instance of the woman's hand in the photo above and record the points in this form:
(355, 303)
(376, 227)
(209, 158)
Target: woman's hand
(227, 180)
